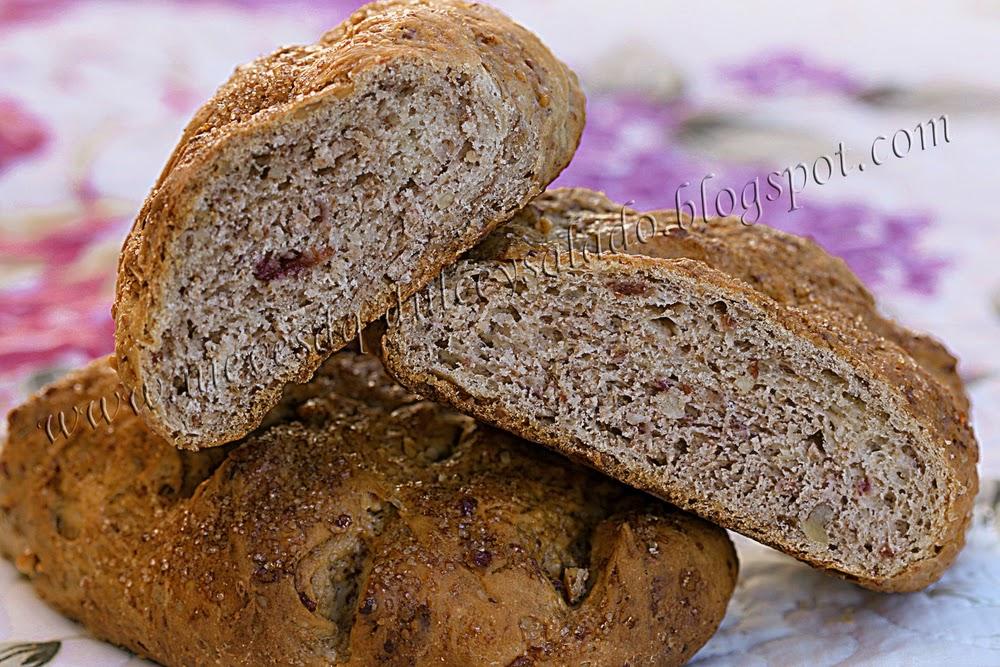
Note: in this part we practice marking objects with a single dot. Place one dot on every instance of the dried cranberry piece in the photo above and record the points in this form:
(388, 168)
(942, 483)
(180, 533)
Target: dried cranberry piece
(628, 288)
(307, 602)
(291, 262)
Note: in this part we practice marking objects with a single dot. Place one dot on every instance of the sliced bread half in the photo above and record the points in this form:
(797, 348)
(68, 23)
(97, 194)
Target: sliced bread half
(318, 186)
(739, 372)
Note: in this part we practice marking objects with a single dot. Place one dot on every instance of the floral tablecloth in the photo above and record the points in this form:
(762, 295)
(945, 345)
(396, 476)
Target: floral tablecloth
(93, 96)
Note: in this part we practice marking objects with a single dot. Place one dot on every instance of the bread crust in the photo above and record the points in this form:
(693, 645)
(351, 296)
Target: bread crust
(363, 525)
(799, 288)
(290, 81)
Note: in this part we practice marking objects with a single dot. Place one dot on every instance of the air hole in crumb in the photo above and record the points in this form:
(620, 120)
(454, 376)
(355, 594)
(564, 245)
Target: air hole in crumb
(391, 120)
(487, 342)
(552, 290)
(513, 312)
(818, 440)
(667, 324)
(363, 179)
(450, 359)
(831, 377)
(657, 460)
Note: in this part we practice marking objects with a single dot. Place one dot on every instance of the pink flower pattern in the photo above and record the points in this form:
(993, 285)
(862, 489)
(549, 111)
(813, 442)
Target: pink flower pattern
(22, 135)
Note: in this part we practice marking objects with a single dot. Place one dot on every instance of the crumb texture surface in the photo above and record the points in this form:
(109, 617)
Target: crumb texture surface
(736, 371)
(320, 185)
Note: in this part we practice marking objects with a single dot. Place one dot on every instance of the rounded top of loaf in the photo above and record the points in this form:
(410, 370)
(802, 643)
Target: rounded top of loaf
(362, 523)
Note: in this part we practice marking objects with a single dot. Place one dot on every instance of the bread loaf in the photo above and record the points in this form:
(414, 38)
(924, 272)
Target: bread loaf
(321, 184)
(738, 372)
(361, 525)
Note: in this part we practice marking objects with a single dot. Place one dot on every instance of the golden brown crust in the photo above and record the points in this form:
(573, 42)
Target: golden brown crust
(444, 542)
(289, 82)
(809, 312)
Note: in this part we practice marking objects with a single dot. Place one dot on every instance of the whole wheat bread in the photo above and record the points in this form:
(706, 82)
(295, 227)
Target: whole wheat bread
(321, 184)
(363, 525)
(739, 372)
